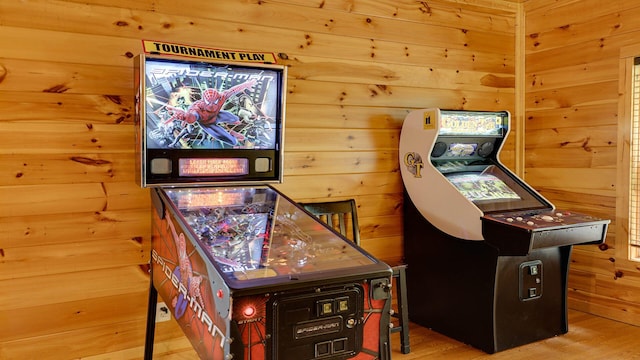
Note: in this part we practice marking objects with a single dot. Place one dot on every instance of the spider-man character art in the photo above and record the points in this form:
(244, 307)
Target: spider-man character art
(210, 106)
(208, 112)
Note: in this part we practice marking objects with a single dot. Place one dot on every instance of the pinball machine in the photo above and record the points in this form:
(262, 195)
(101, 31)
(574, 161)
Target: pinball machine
(245, 271)
(487, 255)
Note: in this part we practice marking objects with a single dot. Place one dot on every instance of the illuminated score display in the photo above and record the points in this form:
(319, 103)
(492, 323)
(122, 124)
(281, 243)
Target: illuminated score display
(460, 123)
(213, 167)
(190, 200)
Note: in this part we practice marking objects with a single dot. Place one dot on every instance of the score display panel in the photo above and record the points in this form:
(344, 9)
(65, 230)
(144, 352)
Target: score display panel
(208, 122)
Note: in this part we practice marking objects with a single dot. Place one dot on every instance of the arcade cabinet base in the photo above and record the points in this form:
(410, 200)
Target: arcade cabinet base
(467, 291)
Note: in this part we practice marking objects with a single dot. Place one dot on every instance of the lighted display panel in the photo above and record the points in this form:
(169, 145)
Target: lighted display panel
(206, 122)
(494, 190)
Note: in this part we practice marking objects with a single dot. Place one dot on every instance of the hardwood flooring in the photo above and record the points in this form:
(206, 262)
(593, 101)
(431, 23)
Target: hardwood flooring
(589, 337)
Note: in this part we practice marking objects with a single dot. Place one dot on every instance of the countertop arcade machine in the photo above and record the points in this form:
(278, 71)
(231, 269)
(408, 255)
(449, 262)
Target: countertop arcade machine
(245, 271)
(488, 256)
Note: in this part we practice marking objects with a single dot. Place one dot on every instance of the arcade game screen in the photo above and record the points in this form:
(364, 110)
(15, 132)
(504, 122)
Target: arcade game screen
(494, 190)
(477, 187)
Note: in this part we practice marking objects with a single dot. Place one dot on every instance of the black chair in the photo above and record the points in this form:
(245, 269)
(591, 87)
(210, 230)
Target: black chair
(342, 215)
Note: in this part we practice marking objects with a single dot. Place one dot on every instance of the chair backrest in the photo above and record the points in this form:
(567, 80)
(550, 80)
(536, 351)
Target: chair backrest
(341, 215)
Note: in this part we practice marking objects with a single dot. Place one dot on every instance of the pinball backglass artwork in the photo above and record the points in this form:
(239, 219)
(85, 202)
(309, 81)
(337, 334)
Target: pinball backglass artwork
(208, 121)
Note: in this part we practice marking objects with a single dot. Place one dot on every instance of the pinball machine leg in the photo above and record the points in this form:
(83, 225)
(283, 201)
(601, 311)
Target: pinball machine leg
(151, 321)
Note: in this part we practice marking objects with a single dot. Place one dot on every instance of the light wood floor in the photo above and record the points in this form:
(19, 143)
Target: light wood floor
(589, 337)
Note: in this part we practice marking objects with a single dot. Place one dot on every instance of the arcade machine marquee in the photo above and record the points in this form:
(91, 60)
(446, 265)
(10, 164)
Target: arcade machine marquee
(246, 272)
(488, 256)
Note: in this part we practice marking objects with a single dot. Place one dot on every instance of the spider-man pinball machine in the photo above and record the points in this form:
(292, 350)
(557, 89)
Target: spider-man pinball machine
(488, 256)
(245, 271)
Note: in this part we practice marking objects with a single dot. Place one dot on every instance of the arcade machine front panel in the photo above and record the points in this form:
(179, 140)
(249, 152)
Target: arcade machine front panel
(245, 271)
(464, 210)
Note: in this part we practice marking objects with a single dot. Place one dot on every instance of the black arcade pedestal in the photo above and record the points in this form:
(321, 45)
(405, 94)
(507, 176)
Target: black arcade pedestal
(470, 291)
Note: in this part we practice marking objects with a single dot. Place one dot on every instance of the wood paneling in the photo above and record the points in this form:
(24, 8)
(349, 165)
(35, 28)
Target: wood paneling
(75, 228)
(573, 51)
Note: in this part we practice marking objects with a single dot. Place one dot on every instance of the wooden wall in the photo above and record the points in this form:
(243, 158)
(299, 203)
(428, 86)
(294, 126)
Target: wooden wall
(572, 151)
(75, 228)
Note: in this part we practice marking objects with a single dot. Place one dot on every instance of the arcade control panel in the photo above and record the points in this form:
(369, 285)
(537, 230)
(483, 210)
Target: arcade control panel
(517, 233)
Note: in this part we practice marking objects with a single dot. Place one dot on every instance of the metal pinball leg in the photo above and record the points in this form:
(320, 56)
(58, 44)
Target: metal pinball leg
(403, 308)
(151, 321)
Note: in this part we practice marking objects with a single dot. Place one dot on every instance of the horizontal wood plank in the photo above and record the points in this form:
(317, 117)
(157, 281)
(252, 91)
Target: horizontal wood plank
(349, 71)
(63, 317)
(436, 12)
(70, 198)
(343, 117)
(387, 249)
(310, 92)
(593, 50)
(339, 185)
(57, 168)
(595, 179)
(584, 137)
(381, 226)
(574, 116)
(320, 162)
(561, 26)
(341, 140)
(60, 229)
(581, 157)
(596, 72)
(607, 307)
(60, 77)
(82, 285)
(67, 138)
(20, 262)
(572, 96)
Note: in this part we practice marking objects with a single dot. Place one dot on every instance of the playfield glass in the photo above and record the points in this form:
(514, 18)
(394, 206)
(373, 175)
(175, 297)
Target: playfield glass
(254, 232)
